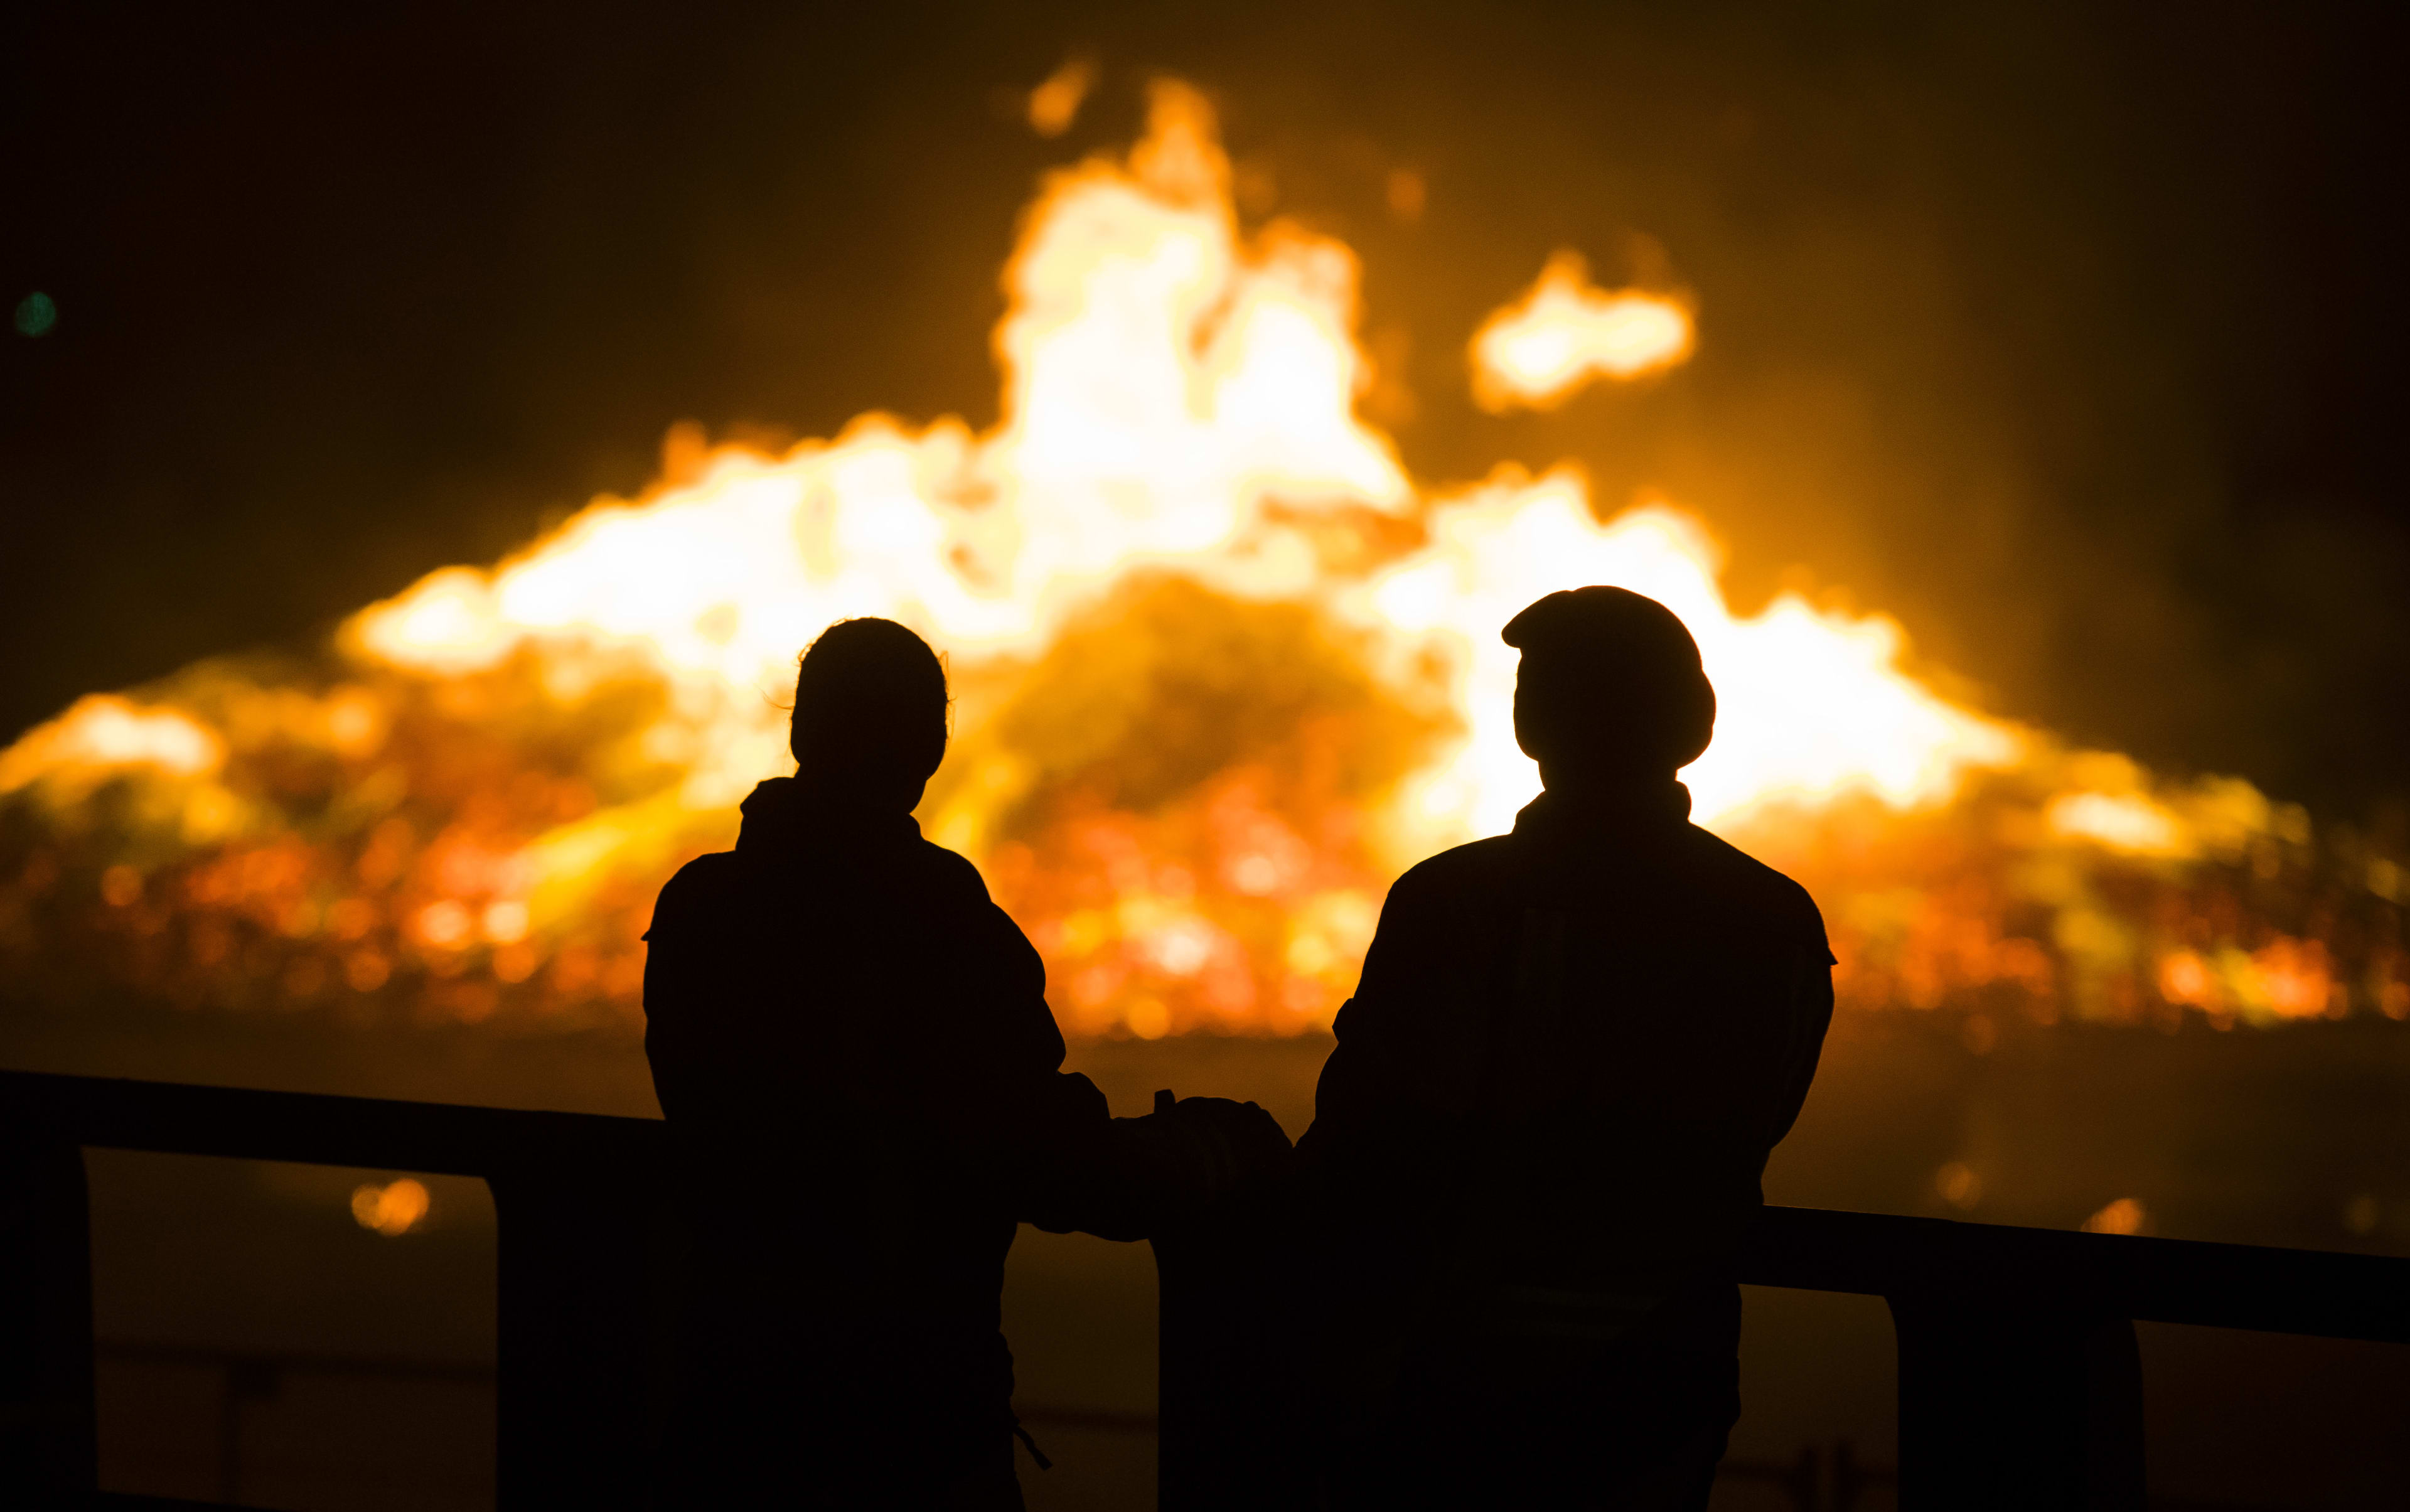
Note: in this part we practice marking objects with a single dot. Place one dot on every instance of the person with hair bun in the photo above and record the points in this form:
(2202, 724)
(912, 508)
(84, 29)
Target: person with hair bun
(1541, 1135)
(863, 1084)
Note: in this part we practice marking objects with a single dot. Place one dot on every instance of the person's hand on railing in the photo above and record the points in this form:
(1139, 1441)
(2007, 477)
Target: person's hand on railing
(1171, 1168)
(1191, 1156)
(1225, 1145)
(1132, 1178)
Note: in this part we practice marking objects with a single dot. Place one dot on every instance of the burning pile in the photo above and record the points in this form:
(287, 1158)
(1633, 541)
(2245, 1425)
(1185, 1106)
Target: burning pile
(1223, 669)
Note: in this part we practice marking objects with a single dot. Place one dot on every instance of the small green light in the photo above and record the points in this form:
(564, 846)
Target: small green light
(35, 314)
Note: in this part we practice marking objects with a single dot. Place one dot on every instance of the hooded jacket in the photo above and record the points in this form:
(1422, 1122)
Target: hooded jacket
(852, 1044)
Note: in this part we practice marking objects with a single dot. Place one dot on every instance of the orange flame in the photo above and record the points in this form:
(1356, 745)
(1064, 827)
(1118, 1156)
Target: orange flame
(1538, 352)
(1170, 384)
(1056, 104)
(1224, 668)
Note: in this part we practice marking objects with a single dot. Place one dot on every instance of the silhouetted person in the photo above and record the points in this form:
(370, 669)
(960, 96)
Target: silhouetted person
(852, 1047)
(1541, 1133)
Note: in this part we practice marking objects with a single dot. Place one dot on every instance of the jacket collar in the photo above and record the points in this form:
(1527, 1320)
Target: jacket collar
(1624, 813)
(782, 814)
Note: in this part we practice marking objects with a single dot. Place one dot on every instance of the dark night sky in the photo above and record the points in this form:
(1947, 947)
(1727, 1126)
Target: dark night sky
(2071, 336)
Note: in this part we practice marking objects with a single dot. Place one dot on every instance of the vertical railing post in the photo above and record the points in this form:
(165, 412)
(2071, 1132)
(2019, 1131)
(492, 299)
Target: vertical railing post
(1227, 1434)
(581, 1353)
(1199, 1373)
(49, 1443)
(2015, 1408)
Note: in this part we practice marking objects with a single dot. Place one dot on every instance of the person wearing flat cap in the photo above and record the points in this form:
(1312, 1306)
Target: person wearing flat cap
(1540, 1139)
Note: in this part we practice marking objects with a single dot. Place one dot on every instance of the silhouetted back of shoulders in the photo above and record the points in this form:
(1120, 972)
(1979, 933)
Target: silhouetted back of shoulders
(866, 967)
(855, 1041)
(852, 1044)
(1611, 1022)
(1541, 1135)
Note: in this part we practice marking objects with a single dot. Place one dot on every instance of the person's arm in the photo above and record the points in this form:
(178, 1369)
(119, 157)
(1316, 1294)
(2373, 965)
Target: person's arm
(672, 964)
(1362, 1083)
(1037, 1137)
(1809, 1015)
(1042, 1141)
(1075, 1168)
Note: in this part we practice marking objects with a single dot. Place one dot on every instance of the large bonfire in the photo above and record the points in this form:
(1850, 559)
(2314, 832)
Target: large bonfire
(1223, 669)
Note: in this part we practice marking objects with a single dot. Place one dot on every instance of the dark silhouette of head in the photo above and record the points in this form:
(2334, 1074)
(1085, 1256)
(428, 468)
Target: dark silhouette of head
(1611, 693)
(870, 713)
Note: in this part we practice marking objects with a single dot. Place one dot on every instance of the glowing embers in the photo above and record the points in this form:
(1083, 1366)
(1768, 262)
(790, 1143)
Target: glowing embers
(1987, 902)
(1194, 832)
(2284, 979)
(1540, 351)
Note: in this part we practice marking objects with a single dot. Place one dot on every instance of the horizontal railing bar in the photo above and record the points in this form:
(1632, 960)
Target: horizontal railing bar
(470, 1372)
(1991, 1266)
(2009, 1268)
(245, 1123)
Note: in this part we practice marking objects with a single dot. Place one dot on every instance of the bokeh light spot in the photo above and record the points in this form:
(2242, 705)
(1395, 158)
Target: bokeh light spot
(1959, 1184)
(392, 1210)
(37, 313)
(2124, 1216)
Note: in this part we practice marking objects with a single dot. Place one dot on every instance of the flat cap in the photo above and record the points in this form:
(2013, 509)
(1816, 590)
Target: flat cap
(1611, 624)
(1607, 664)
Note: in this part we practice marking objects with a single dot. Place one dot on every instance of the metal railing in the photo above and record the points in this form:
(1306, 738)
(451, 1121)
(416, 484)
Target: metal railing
(582, 1264)
(246, 1376)
(2020, 1383)
(1819, 1477)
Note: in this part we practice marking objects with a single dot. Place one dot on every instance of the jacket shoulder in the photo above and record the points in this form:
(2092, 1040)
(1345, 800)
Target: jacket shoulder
(1473, 863)
(694, 888)
(1750, 883)
(949, 870)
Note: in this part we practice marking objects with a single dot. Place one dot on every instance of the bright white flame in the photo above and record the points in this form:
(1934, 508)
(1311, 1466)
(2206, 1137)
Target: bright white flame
(1810, 704)
(103, 732)
(2130, 822)
(1169, 378)
(1563, 333)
